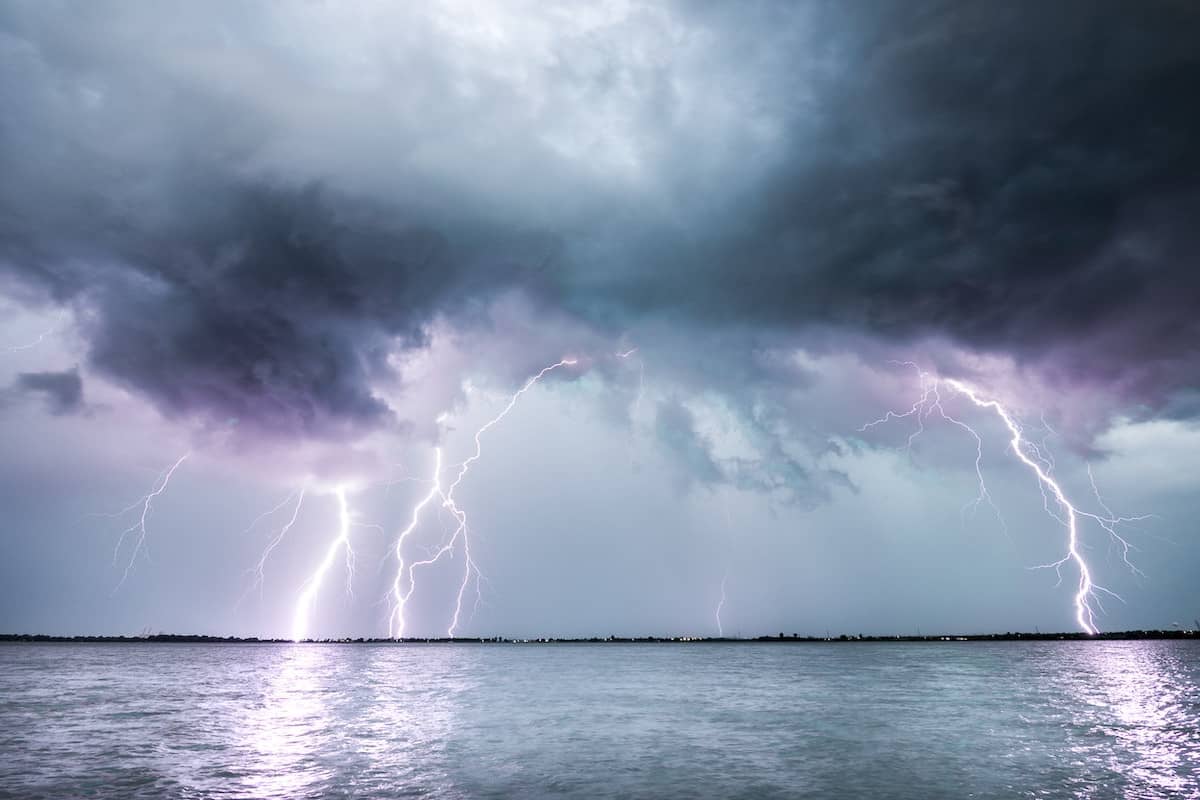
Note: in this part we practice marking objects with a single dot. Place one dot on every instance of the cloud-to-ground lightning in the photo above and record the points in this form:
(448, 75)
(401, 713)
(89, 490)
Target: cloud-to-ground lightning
(721, 605)
(399, 596)
(725, 576)
(138, 528)
(1035, 458)
(1085, 594)
(311, 586)
(405, 582)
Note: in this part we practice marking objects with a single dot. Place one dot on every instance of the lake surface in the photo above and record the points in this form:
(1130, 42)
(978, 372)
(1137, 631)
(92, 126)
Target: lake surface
(1046, 719)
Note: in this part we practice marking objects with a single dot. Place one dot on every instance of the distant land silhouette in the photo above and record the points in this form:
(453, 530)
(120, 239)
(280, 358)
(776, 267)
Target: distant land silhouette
(793, 638)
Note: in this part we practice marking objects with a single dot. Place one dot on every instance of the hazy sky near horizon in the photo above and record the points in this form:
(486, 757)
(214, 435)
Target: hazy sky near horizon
(308, 244)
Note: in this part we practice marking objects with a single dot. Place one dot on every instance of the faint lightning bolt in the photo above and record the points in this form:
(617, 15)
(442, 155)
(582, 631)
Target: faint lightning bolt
(725, 577)
(720, 606)
(138, 528)
(1029, 454)
(930, 401)
(260, 567)
(461, 532)
(311, 586)
(1110, 523)
(43, 336)
(272, 510)
(637, 403)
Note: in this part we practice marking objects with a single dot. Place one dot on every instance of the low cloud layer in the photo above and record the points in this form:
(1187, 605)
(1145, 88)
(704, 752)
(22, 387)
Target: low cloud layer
(62, 391)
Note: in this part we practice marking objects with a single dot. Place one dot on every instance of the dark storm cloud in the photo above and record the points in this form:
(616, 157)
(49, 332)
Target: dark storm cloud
(62, 391)
(266, 300)
(1017, 178)
(281, 307)
(273, 306)
(1020, 178)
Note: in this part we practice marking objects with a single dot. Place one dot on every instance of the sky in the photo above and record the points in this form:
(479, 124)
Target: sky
(310, 249)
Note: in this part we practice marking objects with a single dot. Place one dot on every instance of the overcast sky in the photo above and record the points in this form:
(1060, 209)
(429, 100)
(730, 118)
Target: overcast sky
(307, 245)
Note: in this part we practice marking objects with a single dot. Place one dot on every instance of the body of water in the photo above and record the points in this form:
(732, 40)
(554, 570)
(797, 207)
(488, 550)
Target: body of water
(953, 720)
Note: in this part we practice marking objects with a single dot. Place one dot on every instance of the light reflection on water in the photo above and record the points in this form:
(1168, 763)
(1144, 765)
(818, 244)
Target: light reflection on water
(1145, 701)
(1053, 719)
(281, 733)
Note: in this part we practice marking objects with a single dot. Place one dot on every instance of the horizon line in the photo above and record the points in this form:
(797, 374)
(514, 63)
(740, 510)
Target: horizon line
(1128, 635)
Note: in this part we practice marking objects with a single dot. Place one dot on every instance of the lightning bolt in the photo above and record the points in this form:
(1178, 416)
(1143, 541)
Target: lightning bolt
(721, 605)
(461, 532)
(1110, 522)
(929, 401)
(399, 596)
(311, 586)
(637, 402)
(260, 567)
(725, 577)
(1086, 598)
(138, 528)
(43, 336)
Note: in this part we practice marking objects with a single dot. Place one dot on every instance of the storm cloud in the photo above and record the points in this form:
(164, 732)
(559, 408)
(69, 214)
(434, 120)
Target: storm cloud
(62, 391)
(250, 208)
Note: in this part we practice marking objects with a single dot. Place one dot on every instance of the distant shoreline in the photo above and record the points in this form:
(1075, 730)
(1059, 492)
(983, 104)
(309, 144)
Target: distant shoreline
(173, 638)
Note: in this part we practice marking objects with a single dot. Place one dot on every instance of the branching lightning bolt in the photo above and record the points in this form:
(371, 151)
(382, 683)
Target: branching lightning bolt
(260, 567)
(138, 528)
(461, 533)
(399, 596)
(1110, 523)
(1085, 594)
(1038, 460)
(930, 401)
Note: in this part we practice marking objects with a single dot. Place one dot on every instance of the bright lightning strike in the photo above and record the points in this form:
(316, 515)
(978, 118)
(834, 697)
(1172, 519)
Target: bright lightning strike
(138, 528)
(400, 595)
(1084, 614)
(1029, 454)
(311, 586)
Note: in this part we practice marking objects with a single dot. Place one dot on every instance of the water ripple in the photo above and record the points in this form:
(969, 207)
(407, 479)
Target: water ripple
(1040, 720)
